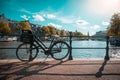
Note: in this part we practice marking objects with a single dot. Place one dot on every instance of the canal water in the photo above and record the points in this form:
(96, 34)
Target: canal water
(76, 53)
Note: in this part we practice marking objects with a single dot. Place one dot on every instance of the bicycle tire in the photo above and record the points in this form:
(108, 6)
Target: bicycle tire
(59, 50)
(24, 50)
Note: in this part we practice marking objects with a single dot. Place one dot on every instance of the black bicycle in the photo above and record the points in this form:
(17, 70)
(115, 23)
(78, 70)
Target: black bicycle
(29, 49)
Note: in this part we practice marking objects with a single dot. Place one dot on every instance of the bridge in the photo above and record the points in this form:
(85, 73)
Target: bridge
(70, 68)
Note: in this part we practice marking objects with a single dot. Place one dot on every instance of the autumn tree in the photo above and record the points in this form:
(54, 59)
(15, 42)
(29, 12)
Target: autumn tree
(46, 30)
(52, 30)
(78, 34)
(25, 25)
(49, 30)
(114, 28)
(4, 28)
(62, 33)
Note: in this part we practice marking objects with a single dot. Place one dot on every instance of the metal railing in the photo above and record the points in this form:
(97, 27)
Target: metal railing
(107, 47)
(71, 48)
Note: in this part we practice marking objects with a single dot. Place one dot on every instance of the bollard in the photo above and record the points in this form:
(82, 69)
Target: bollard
(107, 49)
(70, 55)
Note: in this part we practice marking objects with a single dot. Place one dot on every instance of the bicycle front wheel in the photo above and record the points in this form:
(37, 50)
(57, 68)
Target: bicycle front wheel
(59, 50)
(27, 52)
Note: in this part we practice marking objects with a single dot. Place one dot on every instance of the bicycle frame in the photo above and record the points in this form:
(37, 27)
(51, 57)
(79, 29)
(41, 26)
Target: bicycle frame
(35, 43)
(40, 44)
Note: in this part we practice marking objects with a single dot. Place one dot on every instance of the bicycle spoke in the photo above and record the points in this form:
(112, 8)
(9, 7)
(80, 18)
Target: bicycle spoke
(58, 50)
(25, 53)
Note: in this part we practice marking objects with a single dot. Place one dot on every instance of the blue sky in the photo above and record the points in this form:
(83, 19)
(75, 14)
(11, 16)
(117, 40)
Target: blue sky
(71, 15)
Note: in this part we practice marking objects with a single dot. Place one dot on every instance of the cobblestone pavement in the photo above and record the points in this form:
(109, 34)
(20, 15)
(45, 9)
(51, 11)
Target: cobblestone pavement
(82, 69)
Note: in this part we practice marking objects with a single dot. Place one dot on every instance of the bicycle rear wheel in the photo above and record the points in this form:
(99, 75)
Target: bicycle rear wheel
(26, 52)
(59, 50)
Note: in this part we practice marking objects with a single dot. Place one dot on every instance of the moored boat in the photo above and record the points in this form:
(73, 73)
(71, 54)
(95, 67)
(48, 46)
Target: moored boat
(115, 41)
(8, 39)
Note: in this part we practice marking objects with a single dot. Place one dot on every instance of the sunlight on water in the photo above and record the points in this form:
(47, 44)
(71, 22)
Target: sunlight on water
(77, 53)
(89, 53)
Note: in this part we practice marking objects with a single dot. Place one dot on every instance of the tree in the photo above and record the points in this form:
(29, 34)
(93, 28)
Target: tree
(114, 28)
(46, 30)
(52, 30)
(49, 30)
(4, 28)
(62, 33)
(25, 25)
(78, 34)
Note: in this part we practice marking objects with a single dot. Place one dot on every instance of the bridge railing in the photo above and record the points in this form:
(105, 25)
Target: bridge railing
(106, 38)
(71, 38)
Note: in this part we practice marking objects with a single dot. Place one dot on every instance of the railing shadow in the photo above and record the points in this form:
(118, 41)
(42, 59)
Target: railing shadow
(99, 73)
(25, 69)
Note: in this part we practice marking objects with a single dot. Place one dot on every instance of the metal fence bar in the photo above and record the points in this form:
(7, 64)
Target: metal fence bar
(63, 48)
(9, 48)
(70, 43)
(87, 48)
(70, 55)
(47, 48)
(107, 49)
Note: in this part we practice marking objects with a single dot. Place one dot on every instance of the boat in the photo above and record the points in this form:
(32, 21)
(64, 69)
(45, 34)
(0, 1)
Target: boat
(8, 39)
(115, 41)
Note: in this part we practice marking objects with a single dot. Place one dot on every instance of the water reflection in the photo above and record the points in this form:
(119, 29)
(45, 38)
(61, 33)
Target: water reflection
(8, 53)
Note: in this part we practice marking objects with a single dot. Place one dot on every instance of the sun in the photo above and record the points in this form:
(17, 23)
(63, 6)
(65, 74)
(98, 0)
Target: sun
(103, 6)
(110, 3)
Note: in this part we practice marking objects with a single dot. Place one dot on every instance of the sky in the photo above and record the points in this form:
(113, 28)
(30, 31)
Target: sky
(71, 15)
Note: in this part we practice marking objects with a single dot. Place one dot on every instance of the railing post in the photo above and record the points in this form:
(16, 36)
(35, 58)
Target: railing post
(70, 55)
(107, 49)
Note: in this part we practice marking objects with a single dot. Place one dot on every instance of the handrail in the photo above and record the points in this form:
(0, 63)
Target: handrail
(107, 48)
(70, 39)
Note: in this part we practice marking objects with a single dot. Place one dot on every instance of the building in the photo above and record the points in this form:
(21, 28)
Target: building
(13, 24)
(100, 35)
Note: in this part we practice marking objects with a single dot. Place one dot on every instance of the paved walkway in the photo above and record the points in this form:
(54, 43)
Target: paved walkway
(84, 69)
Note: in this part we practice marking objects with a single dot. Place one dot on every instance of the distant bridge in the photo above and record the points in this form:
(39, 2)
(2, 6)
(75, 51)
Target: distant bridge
(99, 38)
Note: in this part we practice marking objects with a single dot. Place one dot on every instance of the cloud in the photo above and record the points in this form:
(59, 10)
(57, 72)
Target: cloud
(62, 19)
(25, 17)
(50, 16)
(38, 18)
(57, 16)
(92, 29)
(55, 25)
(105, 23)
(81, 22)
(95, 27)
(25, 11)
(66, 20)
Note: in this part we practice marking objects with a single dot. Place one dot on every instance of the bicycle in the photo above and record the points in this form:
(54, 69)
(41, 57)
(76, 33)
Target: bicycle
(29, 49)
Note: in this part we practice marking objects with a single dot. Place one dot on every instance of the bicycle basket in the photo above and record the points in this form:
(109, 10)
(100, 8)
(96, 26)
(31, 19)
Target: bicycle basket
(26, 36)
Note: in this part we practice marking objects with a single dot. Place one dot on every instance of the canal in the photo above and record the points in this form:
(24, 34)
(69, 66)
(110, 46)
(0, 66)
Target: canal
(76, 53)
